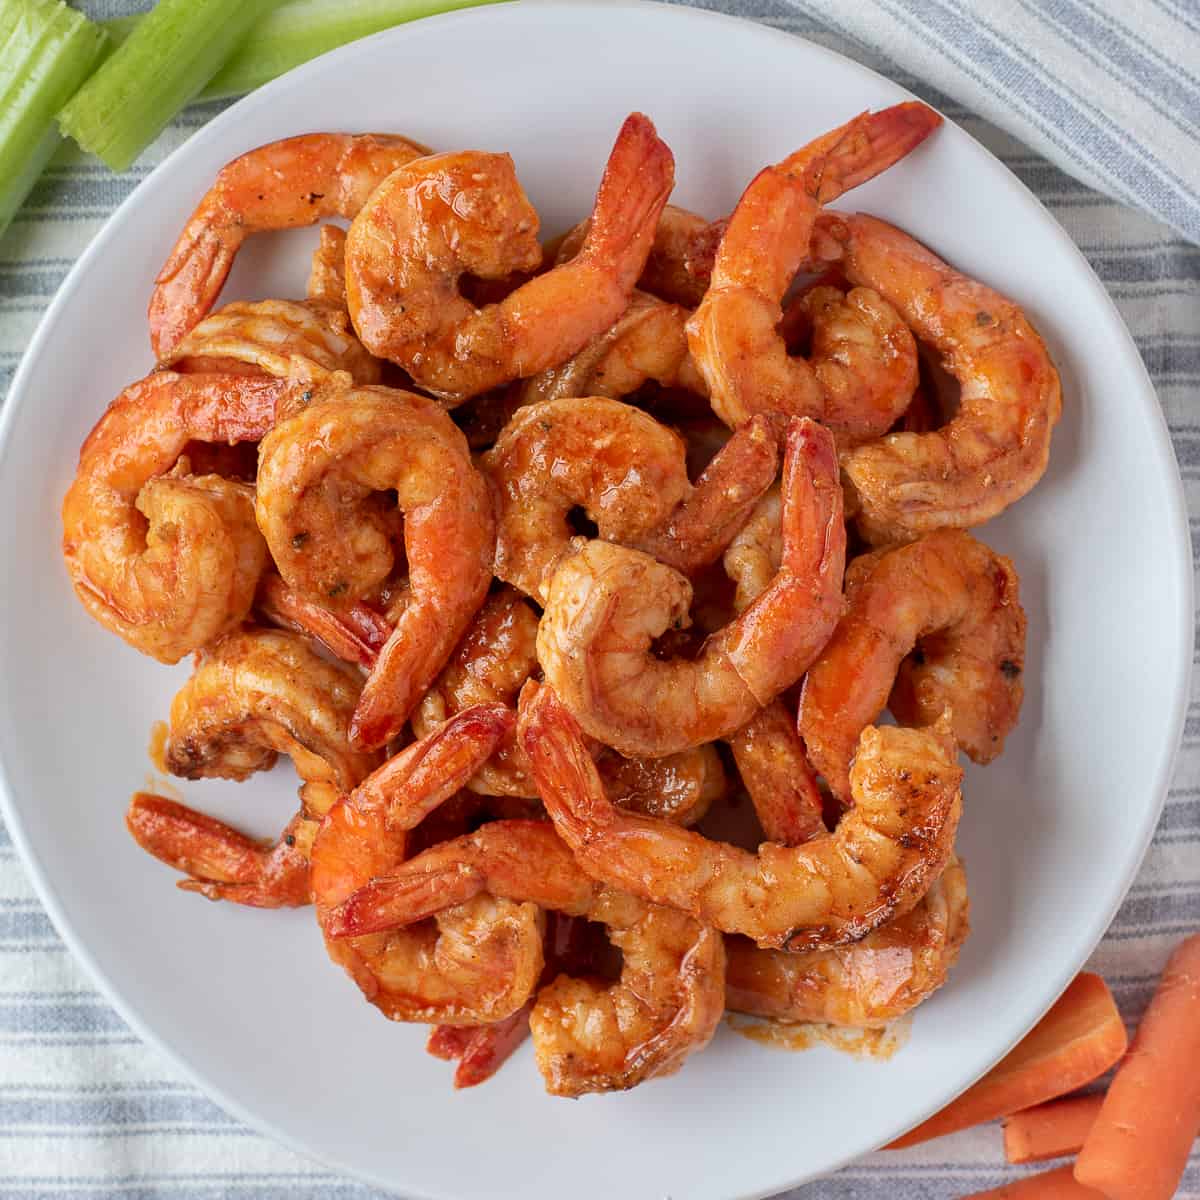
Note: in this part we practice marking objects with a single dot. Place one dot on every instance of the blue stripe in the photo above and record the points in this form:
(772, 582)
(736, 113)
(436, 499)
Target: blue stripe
(57, 1019)
(1064, 124)
(1145, 78)
(1113, 19)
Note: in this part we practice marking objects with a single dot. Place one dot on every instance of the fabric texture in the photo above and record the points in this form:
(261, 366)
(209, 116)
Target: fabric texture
(1063, 91)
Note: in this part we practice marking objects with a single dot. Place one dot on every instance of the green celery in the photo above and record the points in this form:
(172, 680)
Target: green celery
(175, 49)
(46, 51)
(300, 30)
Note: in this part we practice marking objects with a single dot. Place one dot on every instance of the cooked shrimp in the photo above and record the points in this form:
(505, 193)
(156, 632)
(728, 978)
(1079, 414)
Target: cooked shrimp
(734, 335)
(679, 788)
(481, 958)
(327, 275)
(451, 215)
(866, 984)
(287, 338)
(629, 473)
(679, 266)
(317, 474)
(253, 695)
(831, 891)
(355, 633)
(607, 604)
(586, 1037)
(221, 862)
(756, 550)
(259, 693)
(481, 1050)
(775, 772)
(648, 343)
(489, 666)
(167, 560)
(282, 185)
(954, 602)
(864, 358)
(996, 446)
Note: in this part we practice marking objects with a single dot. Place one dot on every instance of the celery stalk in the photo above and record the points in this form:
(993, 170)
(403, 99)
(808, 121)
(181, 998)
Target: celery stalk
(303, 29)
(46, 51)
(173, 52)
(300, 30)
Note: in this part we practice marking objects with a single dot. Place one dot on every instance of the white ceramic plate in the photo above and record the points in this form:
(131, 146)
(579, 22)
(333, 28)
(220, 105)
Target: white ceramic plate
(1053, 832)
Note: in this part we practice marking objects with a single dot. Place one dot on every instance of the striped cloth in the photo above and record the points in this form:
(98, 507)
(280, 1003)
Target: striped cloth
(87, 1111)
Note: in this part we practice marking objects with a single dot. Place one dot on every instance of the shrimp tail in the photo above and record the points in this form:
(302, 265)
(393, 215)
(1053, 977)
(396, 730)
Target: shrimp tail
(701, 528)
(814, 558)
(637, 180)
(423, 776)
(189, 282)
(222, 863)
(867, 146)
(481, 1051)
(392, 902)
(554, 743)
(355, 635)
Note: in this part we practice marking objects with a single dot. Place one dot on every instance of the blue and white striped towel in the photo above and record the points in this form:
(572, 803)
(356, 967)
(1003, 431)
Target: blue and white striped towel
(1108, 92)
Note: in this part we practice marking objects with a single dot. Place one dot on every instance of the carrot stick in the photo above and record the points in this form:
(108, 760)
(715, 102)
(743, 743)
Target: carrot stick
(1139, 1145)
(1058, 1184)
(1051, 1130)
(1076, 1041)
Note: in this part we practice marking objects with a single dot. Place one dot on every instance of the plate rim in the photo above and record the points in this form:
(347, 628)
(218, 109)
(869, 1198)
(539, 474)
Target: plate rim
(127, 1006)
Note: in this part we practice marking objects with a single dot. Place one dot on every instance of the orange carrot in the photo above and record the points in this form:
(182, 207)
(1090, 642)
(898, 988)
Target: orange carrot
(1077, 1040)
(1139, 1145)
(1051, 1130)
(1058, 1184)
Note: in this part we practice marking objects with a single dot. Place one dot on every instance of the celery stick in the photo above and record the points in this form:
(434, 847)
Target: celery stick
(119, 28)
(175, 50)
(46, 51)
(303, 29)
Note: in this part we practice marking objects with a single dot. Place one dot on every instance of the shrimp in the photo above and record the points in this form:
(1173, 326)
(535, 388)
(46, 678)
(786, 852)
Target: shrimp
(679, 266)
(259, 693)
(587, 1037)
(954, 602)
(629, 473)
(648, 343)
(253, 695)
(607, 604)
(831, 891)
(327, 276)
(492, 663)
(863, 357)
(329, 538)
(754, 553)
(776, 774)
(286, 338)
(479, 960)
(282, 185)
(996, 447)
(866, 984)
(221, 862)
(450, 215)
(355, 634)
(167, 560)
(481, 1050)
(679, 789)
(497, 655)
(734, 335)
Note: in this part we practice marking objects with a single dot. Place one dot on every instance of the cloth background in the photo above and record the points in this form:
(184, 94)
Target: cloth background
(1074, 95)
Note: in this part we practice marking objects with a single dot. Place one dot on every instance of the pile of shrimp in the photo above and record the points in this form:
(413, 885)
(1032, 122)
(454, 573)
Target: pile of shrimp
(552, 565)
